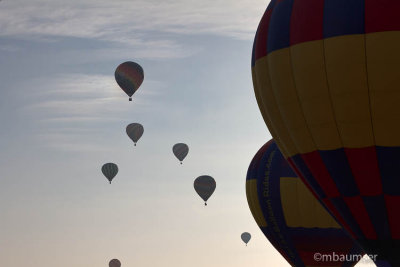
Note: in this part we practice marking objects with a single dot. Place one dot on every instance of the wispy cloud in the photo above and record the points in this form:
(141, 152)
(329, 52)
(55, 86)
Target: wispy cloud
(129, 21)
(69, 108)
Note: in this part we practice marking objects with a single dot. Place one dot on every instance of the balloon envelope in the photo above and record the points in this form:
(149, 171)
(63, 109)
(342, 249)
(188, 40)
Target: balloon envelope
(326, 79)
(109, 170)
(180, 151)
(129, 76)
(245, 237)
(204, 186)
(114, 263)
(290, 216)
(134, 131)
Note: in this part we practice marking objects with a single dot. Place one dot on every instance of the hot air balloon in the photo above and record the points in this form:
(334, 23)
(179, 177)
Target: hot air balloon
(326, 79)
(114, 263)
(245, 237)
(290, 216)
(134, 131)
(109, 170)
(180, 151)
(205, 187)
(129, 76)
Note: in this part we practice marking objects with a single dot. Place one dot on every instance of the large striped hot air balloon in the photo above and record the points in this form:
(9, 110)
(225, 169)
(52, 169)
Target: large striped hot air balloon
(129, 76)
(292, 218)
(326, 76)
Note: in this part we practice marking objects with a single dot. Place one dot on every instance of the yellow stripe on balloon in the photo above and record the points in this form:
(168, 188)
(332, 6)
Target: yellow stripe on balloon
(285, 93)
(348, 86)
(301, 208)
(383, 59)
(254, 204)
(311, 87)
(264, 90)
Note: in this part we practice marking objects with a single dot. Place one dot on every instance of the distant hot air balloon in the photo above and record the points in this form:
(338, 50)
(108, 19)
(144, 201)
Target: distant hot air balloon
(290, 216)
(109, 170)
(129, 76)
(134, 131)
(204, 186)
(180, 151)
(245, 237)
(326, 78)
(114, 263)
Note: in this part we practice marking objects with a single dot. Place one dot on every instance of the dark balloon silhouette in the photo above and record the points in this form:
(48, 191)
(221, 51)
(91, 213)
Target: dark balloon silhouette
(109, 170)
(205, 187)
(134, 131)
(114, 263)
(245, 237)
(180, 151)
(129, 76)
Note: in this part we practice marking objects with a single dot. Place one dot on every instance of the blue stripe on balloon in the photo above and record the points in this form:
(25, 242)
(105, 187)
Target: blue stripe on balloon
(389, 167)
(338, 167)
(302, 167)
(342, 17)
(376, 208)
(341, 205)
(279, 27)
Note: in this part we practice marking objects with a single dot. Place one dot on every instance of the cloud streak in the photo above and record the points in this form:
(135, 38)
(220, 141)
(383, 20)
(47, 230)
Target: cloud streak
(129, 22)
(73, 107)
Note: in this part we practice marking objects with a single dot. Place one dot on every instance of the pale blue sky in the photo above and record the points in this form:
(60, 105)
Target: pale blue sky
(63, 116)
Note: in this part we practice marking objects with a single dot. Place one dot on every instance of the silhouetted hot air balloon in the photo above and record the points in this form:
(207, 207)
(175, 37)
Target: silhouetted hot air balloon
(245, 237)
(290, 216)
(129, 76)
(109, 170)
(114, 263)
(134, 131)
(180, 151)
(326, 79)
(204, 186)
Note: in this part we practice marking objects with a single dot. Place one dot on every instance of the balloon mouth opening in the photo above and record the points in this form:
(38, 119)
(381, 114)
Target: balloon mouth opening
(130, 99)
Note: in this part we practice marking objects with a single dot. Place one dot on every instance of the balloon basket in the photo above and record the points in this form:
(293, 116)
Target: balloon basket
(130, 99)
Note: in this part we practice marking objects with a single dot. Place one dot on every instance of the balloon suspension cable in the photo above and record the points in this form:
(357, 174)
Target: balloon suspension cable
(130, 99)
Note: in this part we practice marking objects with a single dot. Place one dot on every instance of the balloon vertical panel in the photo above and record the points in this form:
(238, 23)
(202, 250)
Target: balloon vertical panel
(294, 220)
(326, 78)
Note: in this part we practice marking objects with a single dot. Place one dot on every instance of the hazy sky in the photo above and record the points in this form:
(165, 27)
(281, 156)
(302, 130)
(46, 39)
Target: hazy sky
(63, 116)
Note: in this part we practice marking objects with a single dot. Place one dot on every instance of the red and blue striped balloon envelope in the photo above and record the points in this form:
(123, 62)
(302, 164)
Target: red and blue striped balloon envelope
(326, 76)
(292, 218)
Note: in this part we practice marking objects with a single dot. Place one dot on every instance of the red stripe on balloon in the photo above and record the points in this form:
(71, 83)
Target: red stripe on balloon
(360, 215)
(329, 205)
(382, 15)
(320, 173)
(364, 166)
(262, 35)
(392, 207)
(306, 23)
